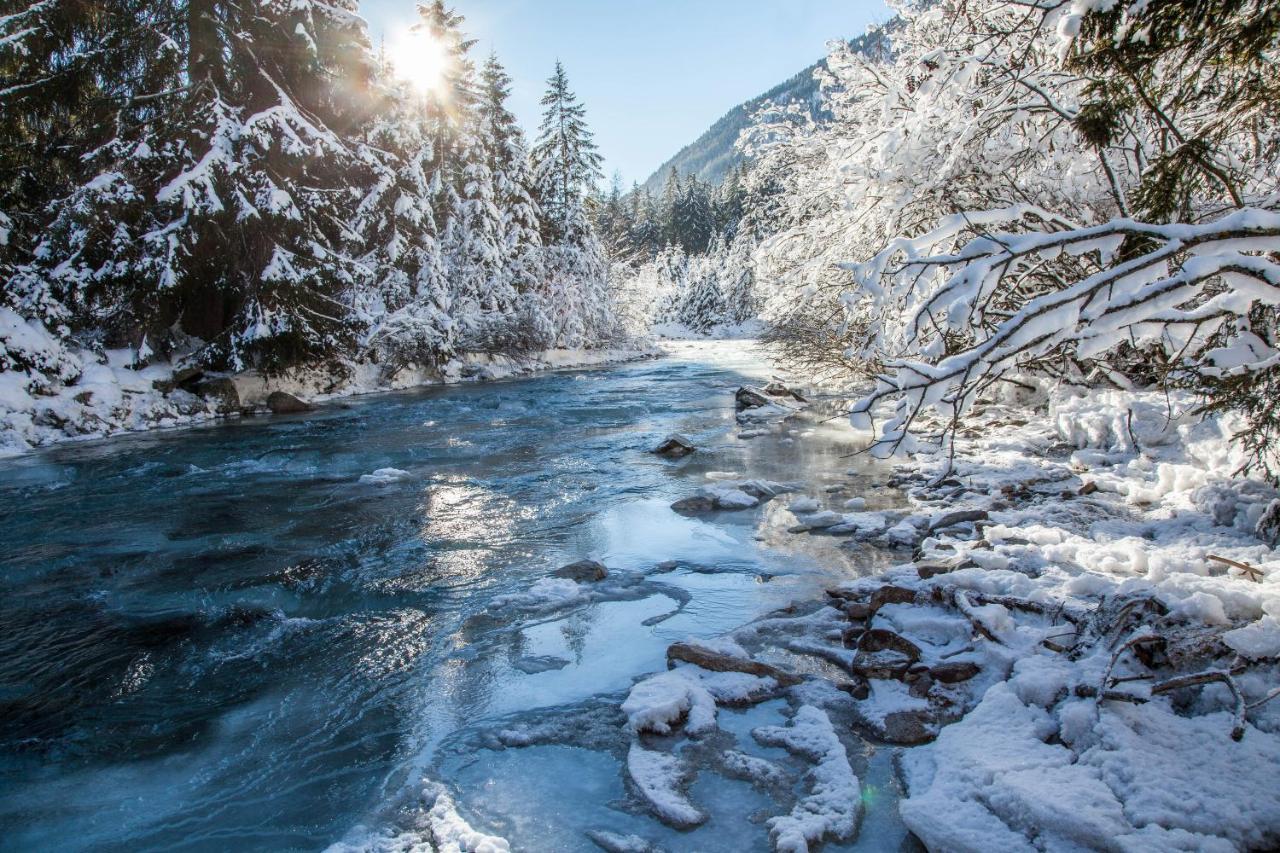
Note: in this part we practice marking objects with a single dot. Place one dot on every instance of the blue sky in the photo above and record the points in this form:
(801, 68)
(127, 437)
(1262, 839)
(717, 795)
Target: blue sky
(654, 74)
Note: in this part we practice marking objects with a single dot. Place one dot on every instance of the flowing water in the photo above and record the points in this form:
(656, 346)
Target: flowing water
(221, 639)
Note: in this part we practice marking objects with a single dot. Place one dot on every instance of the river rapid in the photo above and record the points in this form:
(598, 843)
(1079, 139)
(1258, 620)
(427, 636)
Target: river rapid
(223, 638)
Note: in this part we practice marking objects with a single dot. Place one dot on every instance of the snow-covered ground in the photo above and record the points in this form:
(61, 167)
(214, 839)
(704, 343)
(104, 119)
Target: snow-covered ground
(108, 395)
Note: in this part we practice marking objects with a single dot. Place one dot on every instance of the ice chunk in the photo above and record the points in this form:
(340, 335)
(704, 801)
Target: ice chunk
(830, 809)
(383, 476)
(658, 776)
(452, 834)
(802, 505)
(548, 592)
(1260, 639)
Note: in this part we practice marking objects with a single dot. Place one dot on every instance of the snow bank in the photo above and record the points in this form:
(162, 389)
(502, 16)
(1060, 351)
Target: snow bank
(991, 781)
(103, 394)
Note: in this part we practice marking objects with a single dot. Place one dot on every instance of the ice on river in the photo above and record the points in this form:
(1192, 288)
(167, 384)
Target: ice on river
(270, 632)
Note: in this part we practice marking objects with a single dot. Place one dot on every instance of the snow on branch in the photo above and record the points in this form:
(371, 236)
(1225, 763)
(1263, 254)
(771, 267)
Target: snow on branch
(1166, 275)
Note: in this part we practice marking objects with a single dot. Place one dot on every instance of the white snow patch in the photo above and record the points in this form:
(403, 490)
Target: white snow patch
(658, 777)
(830, 808)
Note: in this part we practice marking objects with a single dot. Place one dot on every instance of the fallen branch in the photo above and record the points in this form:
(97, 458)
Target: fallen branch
(1271, 694)
(1254, 573)
(1142, 635)
(965, 606)
(1237, 731)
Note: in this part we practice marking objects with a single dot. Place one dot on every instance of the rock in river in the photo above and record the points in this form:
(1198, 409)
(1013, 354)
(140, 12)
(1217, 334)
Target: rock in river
(281, 403)
(583, 571)
(675, 446)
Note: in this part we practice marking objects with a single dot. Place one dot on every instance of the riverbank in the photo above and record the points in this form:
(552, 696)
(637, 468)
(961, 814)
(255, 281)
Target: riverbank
(1075, 648)
(110, 397)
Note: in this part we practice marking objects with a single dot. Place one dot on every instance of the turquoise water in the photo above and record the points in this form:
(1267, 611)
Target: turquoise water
(219, 638)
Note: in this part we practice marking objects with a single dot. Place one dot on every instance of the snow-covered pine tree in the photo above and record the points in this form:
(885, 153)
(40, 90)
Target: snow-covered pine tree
(702, 304)
(219, 207)
(729, 203)
(521, 240)
(613, 221)
(566, 167)
(406, 305)
(694, 219)
(646, 224)
(738, 281)
(565, 159)
(73, 83)
(449, 106)
(669, 202)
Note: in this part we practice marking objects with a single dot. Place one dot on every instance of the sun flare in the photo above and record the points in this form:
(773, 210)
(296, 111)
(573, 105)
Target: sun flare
(419, 59)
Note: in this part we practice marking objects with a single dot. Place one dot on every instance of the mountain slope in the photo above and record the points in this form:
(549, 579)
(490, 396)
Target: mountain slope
(713, 154)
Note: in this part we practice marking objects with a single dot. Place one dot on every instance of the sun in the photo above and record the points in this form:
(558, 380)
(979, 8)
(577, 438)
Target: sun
(418, 59)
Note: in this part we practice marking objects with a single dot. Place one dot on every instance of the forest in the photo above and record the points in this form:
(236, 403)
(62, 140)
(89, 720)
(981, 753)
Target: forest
(379, 476)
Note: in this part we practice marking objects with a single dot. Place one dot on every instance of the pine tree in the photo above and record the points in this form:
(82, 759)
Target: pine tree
(729, 203)
(566, 166)
(694, 218)
(566, 162)
(669, 213)
(648, 229)
(613, 221)
(521, 243)
(407, 306)
(74, 84)
(237, 182)
(220, 208)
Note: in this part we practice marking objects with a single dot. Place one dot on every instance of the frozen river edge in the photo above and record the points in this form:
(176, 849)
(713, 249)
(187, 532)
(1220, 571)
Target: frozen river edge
(1075, 649)
(111, 397)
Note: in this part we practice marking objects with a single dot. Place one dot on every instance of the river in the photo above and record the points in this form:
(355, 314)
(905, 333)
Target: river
(221, 638)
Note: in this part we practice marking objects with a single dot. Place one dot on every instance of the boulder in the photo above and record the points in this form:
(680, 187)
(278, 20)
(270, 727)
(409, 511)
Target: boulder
(859, 688)
(857, 611)
(890, 594)
(881, 666)
(282, 403)
(719, 662)
(583, 571)
(750, 398)
(954, 672)
(883, 640)
(777, 389)
(908, 728)
(221, 392)
(932, 568)
(675, 446)
(186, 378)
(540, 663)
(695, 504)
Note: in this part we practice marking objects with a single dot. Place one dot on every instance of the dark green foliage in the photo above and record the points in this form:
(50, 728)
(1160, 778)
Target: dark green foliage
(1197, 72)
